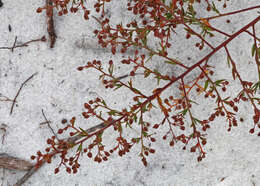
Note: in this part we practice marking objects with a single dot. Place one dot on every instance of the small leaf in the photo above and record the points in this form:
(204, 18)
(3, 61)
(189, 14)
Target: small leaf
(234, 73)
(135, 118)
(137, 140)
(170, 62)
(218, 82)
(256, 86)
(168, 15)
(112, 113)
(150, 106)
(206, 84)
(100, 135)
(144, 108)
(84, 133)
(130, 83)
(226, 98)
(147, 73)
(228, 61)
(193, 102)
(111, 69)
(196, 120)
(184, 112)
(118, 85)
(104, 103)
(79, 148)
(214, 8)
(253, 50)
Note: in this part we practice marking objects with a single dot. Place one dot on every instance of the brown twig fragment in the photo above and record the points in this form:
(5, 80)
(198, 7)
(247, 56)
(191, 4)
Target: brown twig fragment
(43, 39)
(98, 20)
(11, 111)
(13, 163)
(14, 43)
(26, 176)
(3, 128)
(50, 23)
(4, 98)
(48, 123)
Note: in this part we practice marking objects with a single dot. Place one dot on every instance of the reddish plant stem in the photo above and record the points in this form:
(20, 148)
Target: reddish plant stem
(205, 58)
(221, 32)
(256, 53)
(198, 35)
(240, 79)
(143, 46)
(191, 117)
(108, 75)
(258, 39)
(160, 90)
(100, 130)
(231, 13)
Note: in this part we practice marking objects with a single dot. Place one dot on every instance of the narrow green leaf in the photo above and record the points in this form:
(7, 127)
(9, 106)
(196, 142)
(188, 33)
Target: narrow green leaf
(218, 82)
(111, 69)
(226, 98)
(214, 8)
(206, 84)
(145, 134)
(168, 15)
(118, 85)
(197, 120)
(253, 50)
(228, 61)
(234, 73)
(144, 108)
(135, 118)
(170, 62)
(112, 113)
(136, 91)
(193, 102)
(184, 112)
(100, 135)
(256, 86)
(79, 148)
(83, 132)
(104, 103)
(130, 83)
(146, 73)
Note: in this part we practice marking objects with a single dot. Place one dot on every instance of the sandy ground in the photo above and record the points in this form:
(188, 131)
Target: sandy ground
(60, 90)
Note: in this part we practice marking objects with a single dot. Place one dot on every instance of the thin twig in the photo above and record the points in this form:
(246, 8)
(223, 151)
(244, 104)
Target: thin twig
(43, 39)
(50, 23)
(45, 122)
(14, 44)
(26, 176)
(98, 20)
(48, 123)
(11, 111)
